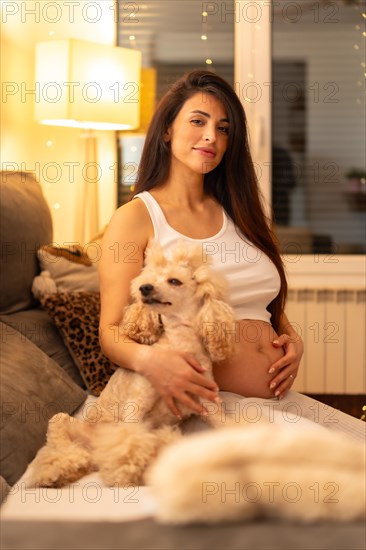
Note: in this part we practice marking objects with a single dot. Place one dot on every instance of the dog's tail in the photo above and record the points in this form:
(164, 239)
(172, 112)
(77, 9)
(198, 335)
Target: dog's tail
(241, 473)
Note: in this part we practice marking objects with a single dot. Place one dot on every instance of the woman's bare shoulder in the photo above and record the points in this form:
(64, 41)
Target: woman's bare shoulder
(123, 246)
(130, 220)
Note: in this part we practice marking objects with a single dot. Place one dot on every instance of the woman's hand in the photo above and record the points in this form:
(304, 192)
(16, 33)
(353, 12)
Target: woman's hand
(178, 378)
(287, 367)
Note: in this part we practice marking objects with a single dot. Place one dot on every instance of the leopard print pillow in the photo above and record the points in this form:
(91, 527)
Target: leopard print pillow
(76, 315)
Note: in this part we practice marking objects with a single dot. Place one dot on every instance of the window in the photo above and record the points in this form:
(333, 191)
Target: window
(175, 36)
(300, 73)
(318, 126)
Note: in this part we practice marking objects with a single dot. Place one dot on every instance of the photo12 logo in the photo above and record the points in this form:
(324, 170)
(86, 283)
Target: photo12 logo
(257, 11)
(68, 11)
(269, 492)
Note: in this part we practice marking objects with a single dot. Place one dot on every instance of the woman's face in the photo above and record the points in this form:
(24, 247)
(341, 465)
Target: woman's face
(199, 134)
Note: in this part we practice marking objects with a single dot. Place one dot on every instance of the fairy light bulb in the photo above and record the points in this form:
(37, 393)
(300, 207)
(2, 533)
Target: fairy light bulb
(203, 37)
(209, 61)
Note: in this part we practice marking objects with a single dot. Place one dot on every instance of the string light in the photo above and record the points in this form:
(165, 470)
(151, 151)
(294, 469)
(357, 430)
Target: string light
(132, 37)
(204, 38)
(356, 47)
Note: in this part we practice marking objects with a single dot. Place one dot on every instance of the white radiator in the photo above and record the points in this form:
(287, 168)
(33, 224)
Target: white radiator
(332, 324)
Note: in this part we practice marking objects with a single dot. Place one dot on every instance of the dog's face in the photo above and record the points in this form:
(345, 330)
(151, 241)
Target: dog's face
(166, 289)
(176, 284)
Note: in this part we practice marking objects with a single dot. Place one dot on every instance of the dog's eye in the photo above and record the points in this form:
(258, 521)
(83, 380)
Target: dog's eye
(175, 282)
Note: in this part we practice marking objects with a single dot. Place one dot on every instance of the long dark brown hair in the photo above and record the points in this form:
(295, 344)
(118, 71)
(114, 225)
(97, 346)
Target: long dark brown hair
(233, 183)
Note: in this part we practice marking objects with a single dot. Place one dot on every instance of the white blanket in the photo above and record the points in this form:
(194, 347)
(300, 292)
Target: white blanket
(90, 500)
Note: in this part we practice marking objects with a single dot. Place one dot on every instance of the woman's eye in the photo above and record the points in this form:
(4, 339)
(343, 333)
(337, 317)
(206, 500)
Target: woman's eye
(224, 129)
(175, 282)
(197, 122)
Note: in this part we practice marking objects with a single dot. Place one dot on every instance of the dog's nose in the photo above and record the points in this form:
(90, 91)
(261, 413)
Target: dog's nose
(146, 289)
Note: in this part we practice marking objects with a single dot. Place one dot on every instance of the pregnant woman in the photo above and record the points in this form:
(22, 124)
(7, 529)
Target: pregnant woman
(197, 183)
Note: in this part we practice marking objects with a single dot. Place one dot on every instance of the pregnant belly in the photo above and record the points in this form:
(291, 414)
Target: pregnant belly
(246, 372)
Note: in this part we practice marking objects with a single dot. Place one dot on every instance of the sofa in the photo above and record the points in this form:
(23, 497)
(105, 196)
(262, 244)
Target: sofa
(39, 376)
(48, 365)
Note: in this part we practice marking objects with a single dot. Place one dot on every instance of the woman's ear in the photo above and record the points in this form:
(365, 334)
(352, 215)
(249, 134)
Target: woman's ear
(167, 135)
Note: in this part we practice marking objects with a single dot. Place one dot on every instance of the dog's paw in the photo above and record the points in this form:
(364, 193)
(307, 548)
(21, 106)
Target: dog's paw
(56, 468)
(145, 338)
(122, 453)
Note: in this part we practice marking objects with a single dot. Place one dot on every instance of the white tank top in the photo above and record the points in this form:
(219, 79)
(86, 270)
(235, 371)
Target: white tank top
(252, 278)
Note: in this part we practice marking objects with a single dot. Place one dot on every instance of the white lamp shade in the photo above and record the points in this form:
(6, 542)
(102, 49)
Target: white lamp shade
(87, 85)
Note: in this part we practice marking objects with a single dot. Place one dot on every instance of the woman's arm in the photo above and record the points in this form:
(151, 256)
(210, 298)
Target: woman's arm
(175, 375)
(288, 366)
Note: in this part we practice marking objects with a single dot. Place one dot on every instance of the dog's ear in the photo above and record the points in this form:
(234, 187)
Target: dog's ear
(215, 321)
(141, 324)
(209, 284)
(215, 324)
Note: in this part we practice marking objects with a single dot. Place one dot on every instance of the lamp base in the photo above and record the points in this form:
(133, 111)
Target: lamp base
(87, 215)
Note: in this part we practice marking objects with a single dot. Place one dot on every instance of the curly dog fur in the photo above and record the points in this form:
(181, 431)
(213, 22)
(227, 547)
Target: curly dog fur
(238, 473)
(178, 302)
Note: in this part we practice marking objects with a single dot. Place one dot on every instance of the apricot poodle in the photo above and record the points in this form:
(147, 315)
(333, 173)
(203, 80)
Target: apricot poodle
(178, 302)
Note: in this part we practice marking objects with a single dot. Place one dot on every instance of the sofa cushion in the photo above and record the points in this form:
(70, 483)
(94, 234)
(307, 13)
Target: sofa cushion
(76, 315)
(33, 389)
(25, 225)
(69, 267)
(36, 325)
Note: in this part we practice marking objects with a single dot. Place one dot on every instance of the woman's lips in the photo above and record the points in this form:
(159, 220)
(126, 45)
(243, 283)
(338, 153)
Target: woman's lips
(205, 152)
